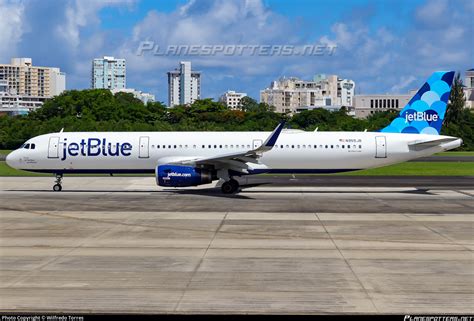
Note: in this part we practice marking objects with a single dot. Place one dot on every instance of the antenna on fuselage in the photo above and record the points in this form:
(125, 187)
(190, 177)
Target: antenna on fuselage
(316, 129)
(62, 129)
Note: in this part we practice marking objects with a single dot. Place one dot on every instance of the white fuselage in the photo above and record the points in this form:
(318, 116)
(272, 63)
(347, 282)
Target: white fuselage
(295, 151)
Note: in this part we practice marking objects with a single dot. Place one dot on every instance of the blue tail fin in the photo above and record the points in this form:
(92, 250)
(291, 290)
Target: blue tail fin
(424, 113)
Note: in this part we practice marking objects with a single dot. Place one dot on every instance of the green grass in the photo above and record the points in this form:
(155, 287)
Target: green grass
(5, 151)
(403, 169)
(420, 169)
(6, 170)
(456, 154)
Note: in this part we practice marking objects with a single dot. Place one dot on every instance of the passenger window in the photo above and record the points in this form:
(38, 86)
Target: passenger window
(220, 146)
(226, 146)
(281, 146)
(248, 146)
(326, 146)
(298, 146)
(342, 146)
(360, 146)
(315, 146)
(194, 146)
(157, 146)
(292, 146)
(348, 146)
(180, 146)
(337, 146)
(169, 146)
(332, 146)
(209, 146)
(231, 146)
(164, 146)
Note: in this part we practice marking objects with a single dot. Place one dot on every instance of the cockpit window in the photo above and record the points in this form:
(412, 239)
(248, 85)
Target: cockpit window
(27, 146)
(33, 146)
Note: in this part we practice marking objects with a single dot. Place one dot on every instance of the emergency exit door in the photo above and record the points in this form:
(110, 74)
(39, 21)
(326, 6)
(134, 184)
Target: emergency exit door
(53, 147)
(380, 147)
(257, 143)
(144, 151)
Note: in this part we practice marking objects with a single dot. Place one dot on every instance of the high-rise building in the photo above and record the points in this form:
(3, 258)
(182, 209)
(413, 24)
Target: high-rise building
(184, 85)
(295, 95)
(25, 79)
(232, 99)
(108, 73)
(24, 87)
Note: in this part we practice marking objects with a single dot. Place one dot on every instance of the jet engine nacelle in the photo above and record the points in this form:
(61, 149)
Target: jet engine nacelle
(182, 176)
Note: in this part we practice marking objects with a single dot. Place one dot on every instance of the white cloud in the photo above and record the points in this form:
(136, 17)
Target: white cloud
(11, 28)
(82, 13)
(404, 82)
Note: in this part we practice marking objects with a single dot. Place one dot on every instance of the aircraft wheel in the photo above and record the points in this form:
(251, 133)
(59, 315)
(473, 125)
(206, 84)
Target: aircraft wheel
(57, 187)
(235, 185)
(230, 187)
(227, 188)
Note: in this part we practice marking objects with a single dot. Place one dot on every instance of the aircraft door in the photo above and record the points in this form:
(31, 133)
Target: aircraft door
(53, 147)
(257, 143)
(143, 151)
(380, 147)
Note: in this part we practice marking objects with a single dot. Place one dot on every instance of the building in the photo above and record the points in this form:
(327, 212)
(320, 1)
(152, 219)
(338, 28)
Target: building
(144, 97)
(295, 95)
(24, 79)
(232, 99)
(469, 88)
(184, 85)
(108, 73)
(24, 87)
(366, 105)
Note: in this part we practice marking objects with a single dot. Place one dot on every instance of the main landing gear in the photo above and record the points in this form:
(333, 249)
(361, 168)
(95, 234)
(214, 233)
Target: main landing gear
(230, 187)
(58, 187)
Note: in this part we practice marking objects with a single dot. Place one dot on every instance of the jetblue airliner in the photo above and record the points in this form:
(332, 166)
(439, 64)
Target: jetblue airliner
(180, 159)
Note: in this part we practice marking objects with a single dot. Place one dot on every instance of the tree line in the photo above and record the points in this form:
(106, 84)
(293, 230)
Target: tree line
(100, 110)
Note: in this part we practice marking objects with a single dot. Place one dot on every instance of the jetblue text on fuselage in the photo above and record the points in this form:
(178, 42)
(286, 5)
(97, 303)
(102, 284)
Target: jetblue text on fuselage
(95, 147)
(420, 116)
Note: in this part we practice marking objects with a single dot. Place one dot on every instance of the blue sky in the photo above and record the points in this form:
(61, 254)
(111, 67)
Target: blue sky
(385, 46)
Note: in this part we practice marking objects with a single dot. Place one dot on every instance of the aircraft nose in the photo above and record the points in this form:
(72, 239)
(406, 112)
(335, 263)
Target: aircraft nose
(11, 160)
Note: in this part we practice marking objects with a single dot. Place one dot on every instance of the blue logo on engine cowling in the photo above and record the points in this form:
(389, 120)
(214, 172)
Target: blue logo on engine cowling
(95, 147)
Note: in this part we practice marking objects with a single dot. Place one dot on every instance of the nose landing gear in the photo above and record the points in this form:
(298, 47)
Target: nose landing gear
(230, 187)
(58, 187)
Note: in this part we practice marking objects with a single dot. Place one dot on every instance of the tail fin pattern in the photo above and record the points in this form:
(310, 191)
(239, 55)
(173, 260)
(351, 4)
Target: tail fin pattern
(424, 113)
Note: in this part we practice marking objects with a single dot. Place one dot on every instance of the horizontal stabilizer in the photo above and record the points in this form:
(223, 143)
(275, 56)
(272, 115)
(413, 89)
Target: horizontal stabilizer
(422, 144)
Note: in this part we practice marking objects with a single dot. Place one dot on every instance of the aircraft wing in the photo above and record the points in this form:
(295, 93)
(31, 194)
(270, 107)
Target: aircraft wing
(237, 161)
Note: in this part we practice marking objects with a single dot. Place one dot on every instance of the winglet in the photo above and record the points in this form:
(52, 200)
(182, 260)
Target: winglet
(271, 140)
